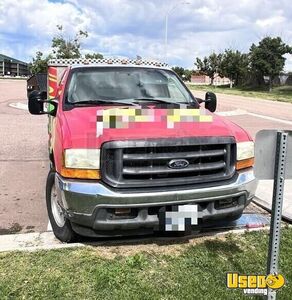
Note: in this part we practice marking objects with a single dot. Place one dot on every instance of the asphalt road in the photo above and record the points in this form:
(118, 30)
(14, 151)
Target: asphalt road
(23, 163)
(23, 150)
(254, 114)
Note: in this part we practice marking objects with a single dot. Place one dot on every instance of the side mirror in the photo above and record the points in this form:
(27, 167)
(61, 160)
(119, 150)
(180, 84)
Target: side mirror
(210, 101)
(36, 100)
(199, 100)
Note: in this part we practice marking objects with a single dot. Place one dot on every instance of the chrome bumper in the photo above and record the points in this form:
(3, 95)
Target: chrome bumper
(83, 196)
(83, 201)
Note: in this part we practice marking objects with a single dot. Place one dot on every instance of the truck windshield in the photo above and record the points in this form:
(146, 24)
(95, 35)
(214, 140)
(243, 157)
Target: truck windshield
(125, 83)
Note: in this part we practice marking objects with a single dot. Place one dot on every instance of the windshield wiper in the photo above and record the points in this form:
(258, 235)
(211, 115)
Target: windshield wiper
(100, 101)
(149, 99)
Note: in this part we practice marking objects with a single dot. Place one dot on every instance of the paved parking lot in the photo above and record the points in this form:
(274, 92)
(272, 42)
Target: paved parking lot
(23, 163)
(23, 150)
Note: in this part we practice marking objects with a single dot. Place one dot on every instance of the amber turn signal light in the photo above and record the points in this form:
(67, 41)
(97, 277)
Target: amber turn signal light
(245, 163)
(80, 173)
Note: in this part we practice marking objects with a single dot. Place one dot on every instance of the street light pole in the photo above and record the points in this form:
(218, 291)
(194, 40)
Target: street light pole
(166, 34)
(166, 25)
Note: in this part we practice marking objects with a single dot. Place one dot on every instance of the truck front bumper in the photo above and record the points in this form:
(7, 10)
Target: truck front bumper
(91, 206)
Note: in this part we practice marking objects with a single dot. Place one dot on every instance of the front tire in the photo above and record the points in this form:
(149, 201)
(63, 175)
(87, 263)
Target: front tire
(60, 224)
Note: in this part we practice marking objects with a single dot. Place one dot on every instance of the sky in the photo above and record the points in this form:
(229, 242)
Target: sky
(128, 28)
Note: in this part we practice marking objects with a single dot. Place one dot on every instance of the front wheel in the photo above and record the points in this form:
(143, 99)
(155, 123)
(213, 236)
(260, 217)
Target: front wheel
(60, 224)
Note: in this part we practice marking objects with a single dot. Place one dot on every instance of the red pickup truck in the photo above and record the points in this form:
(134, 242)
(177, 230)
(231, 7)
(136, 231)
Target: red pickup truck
(132, 151)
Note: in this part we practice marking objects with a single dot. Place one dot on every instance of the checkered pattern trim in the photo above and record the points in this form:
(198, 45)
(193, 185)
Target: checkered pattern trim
(108, 61)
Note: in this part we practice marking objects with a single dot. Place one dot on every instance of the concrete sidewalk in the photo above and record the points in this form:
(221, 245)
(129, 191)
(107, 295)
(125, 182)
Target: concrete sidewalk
(47, 240)
(264, 195)
(32, 241)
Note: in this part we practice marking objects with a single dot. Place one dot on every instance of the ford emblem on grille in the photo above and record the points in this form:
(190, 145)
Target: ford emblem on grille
(178, 163)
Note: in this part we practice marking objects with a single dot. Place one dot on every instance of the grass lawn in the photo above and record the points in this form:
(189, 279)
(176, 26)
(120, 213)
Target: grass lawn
(177, 271)
(282, 93)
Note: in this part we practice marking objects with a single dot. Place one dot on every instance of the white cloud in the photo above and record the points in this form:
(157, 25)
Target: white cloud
(36, 18)
(131, 27)
(272, 21)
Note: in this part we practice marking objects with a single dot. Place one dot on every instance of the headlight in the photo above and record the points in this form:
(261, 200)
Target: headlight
(81, 163)
(82, 158)
(245, 150)
(244, 155)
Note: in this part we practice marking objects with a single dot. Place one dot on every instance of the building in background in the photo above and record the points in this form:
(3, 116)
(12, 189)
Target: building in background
(202, 79)
(12, 67)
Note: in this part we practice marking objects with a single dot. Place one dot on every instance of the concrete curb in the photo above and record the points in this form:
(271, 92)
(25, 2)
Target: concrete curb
(47, 241)
(19, 105)
(287, 216)
(32, 242)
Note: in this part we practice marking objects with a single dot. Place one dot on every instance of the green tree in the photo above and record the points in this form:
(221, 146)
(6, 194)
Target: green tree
(179, 71)
(39, 63)
(188, 75)
(209, 65)
(234, 65)
(62, 47)
(66, 47)
(184, 74)
(267, 59)
(93, 56)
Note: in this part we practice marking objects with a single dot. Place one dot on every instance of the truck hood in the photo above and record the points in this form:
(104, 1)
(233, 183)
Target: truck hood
(81, 128)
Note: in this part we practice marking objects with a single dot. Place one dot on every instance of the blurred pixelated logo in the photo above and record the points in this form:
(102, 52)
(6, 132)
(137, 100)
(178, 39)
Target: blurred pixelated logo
(120, 118)
(179, 217)
(254, 284)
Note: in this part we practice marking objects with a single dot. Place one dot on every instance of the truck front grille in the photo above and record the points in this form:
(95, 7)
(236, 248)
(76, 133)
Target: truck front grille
(147, 163)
